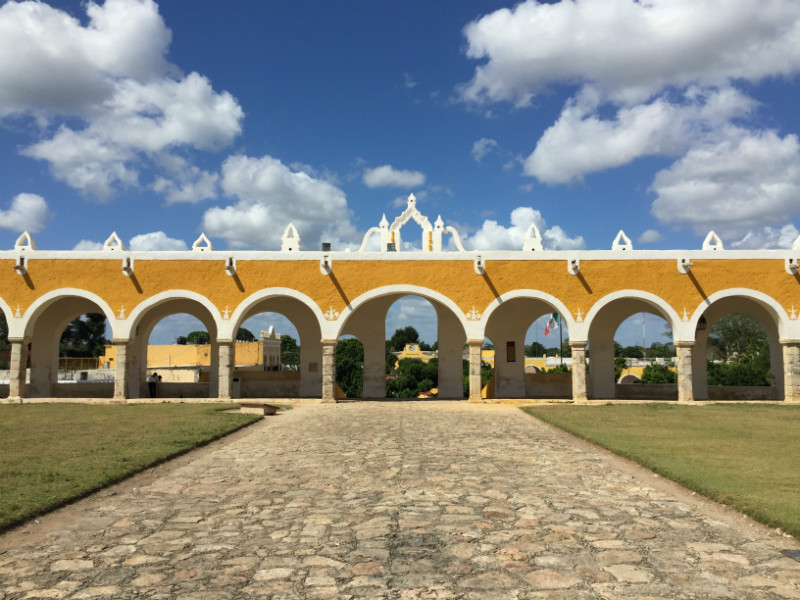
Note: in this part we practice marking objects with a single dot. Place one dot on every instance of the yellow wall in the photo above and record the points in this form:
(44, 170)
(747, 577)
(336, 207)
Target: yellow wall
(455, 279)
(178, 355)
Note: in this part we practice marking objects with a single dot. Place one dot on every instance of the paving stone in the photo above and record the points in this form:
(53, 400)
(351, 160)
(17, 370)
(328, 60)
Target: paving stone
(400, 501)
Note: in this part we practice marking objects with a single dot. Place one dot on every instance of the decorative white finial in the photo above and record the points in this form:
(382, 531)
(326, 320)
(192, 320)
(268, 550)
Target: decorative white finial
(24, 242)
(533, 239)
(202, 244)
(290, 241)
(622, 242)
(712, 242)
(113, 243)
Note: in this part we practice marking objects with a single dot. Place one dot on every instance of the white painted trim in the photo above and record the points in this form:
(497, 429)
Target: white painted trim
(412, 255)
(786, 327)
(135, 316)
(402, 290)
(556, 304)
(657, 302)
(33, 311)
(229, 326)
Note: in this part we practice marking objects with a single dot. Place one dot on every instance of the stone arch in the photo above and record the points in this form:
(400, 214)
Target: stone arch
(42, 325)
(365, 318)
(146, 315)
(307, 318)
(506, 322)
(601, 324)
(772, 317)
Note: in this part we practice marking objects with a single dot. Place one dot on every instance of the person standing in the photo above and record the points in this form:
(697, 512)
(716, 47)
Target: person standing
(152, 381)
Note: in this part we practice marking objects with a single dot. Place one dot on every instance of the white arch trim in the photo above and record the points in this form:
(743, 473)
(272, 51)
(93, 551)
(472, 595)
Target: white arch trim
(771, 305)
(18, 327)
(9, 314)
(227, 329)
(387, 290)
(135, 316)
(557, 304)
(669, 313)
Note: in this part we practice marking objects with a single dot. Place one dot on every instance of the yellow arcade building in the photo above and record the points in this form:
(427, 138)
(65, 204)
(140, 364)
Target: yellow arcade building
(327, 294)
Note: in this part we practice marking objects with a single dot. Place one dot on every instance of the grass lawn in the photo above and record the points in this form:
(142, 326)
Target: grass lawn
(745, 456)
(51, 454)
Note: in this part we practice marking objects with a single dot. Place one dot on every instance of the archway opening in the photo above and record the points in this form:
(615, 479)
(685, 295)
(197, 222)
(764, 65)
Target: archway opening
(413, 347)
(68, 342)
(630, 343)
(645, 358)
(526, 362)
(179, 356)
(737, 355)
(284, 359)
(350, 367)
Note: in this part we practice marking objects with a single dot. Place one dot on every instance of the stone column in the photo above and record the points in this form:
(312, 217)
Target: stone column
(329, 370)
(791, 371)
(684, 364)
(122, 371)
(579, 395)
(475, 370)
(18, 370)
(225, 369)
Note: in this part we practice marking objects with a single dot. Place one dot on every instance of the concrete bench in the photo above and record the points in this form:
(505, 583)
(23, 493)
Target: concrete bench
(257, 408)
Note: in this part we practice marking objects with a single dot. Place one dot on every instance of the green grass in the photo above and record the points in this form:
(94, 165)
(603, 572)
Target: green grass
(744, 456)
(51, 454)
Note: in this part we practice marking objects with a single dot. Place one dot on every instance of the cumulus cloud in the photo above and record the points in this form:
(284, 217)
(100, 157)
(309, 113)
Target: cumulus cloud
(28, 212)
(388, 176)
(483, 147)
(654, 78)
(649, 236)
(269, 197)
(735, 187)
(88, 245)
(115, 101)
(767, 238)
(157, 240)
(581, 142)
(494, 236)
(628, 49)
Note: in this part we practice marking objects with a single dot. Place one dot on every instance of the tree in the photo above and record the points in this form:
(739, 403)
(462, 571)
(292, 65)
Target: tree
(401, 337)
(350, 367)
(740, 334)
(245, 335)
(535, 349)
(5, 347)
(290, 353)
(84, 336)
(657, 374)
(659, 350)
(198, 337)
(632, 352)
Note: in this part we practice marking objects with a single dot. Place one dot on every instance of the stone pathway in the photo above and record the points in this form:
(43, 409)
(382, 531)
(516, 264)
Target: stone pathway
(398, 500)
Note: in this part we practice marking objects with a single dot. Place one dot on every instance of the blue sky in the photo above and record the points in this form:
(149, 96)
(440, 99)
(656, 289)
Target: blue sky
(161, 121)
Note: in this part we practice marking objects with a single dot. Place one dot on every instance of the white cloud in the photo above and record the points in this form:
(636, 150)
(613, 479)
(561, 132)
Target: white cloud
(88, 245)
(493, 236)
(157, 240)
(415, 311)
(734, 187)
(388, 176)
(126, 104)
(188, 183)
(650, 236)
(767, 238)
(28, 212)
(628, 49)
(269, 197)
(581, 142)
(483, 147)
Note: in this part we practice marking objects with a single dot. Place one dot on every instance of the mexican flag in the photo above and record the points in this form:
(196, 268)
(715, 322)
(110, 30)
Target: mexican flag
(552, 324)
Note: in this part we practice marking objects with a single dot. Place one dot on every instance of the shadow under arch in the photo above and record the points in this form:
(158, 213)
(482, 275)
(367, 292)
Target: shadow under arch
(602, 322)
(141, 322)
(769, 314)
(42, 325)
(307, 319)
(365, 318)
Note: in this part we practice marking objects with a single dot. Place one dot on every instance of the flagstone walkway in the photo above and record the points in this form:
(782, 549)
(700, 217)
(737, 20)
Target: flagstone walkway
(398, 500)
